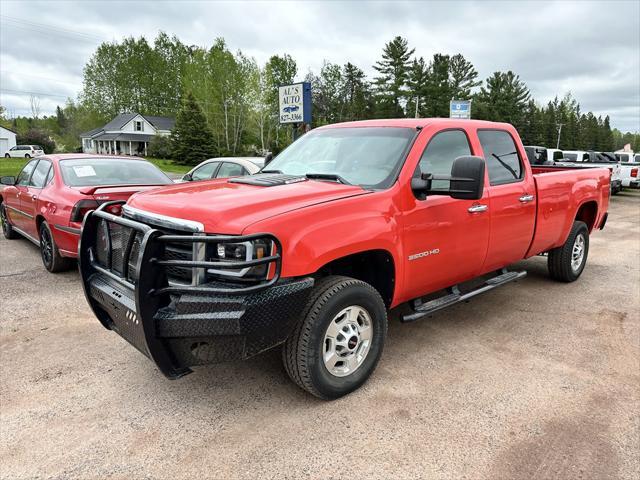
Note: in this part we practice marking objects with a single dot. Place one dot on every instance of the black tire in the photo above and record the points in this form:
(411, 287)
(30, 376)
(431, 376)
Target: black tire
(6, 155)
(560, 261)
(7, 230)
(302, 353)
(26, 155)
(51, 258)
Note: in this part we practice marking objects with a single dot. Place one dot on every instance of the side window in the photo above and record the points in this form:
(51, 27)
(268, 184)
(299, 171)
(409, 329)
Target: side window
(585, 157)
(40, 174)
(205, 171)
(636, 159)
(501, 155)
(25, 174)
(557, 156)
(230, 170)
(440, 153)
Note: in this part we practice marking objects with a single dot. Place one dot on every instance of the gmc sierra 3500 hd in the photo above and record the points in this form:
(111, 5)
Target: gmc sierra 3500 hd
(348, 222)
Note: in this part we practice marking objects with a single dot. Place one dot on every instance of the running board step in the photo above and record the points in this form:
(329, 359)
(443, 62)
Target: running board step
(455, 296)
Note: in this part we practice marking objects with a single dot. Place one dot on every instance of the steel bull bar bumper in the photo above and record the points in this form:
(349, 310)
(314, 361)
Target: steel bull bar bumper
(124, 276)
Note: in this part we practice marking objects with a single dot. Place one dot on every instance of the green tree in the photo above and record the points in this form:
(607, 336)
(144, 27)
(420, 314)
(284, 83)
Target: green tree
(437, 89)
(503, 99)
(191, 138)
(356, 92)
(416, 83)
(391, 84)
(463, 77)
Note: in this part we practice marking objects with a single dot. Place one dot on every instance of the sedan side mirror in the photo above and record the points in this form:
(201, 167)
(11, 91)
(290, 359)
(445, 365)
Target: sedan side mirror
(466, 181)
(8, 180)
(187, 177)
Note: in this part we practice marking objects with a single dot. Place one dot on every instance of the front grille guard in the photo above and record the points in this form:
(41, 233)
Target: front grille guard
(150, 261)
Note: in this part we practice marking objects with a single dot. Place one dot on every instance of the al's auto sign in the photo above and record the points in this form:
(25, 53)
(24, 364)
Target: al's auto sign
(295, 103)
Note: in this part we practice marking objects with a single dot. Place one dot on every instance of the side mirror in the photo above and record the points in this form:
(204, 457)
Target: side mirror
(467, 178)
(8, 180)
(268, 158)
(466, 181)
(187, 177)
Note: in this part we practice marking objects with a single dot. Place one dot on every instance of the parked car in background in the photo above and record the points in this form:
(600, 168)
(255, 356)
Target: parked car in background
(46, 203)
(543, 155)
(224, 167)
(24, 151)
(346, 223)
(586, 159)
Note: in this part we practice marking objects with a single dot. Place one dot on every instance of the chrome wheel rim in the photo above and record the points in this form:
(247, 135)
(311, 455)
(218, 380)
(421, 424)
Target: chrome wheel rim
(46, 247)
(347, 341)
(577, 254)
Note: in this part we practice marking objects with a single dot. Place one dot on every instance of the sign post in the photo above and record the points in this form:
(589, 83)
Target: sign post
(294, 104)
(460, 109)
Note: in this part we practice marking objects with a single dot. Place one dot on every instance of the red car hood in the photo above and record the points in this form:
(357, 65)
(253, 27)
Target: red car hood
(228, 208)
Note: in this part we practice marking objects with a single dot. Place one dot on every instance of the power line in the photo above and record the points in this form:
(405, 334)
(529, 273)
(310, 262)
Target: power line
(21, 74)
(26, 92)
(48, 29)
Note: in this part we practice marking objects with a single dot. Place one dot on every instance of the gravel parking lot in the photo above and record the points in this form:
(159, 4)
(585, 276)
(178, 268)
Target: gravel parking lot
(536, 379)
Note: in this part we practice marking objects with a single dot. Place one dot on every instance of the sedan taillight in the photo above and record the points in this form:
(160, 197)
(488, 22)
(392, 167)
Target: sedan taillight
(634, 172)
(81, 208)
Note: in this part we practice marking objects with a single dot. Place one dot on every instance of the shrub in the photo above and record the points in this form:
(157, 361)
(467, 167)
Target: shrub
(159, 147)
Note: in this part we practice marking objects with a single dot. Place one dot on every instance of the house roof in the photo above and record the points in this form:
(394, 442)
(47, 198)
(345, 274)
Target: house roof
(91, 133)
(17, 132)
(161, 123)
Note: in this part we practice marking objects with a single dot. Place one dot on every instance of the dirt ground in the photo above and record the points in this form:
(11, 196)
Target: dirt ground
(536, 379)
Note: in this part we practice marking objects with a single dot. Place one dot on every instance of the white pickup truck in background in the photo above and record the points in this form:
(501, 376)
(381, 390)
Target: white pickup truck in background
(629, 169)
(586, 159)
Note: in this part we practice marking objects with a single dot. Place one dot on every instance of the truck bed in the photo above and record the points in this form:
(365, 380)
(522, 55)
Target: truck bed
(562, 193)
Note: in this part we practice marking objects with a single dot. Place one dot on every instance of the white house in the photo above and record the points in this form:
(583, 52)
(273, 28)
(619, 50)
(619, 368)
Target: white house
(127, 134)
(7, 140)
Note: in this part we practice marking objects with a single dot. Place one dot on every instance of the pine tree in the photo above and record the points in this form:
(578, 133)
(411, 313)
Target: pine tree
(191, 138)
(437, 90)
(463, 77)
(416, 82)
(394, 71)
(503, 99)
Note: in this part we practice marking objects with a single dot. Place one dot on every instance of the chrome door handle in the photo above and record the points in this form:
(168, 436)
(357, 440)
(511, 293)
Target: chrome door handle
(478, 208)
(526, 198)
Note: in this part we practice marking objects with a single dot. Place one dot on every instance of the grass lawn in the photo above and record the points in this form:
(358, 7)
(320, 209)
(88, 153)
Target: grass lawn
(169, 166)
(12, 166)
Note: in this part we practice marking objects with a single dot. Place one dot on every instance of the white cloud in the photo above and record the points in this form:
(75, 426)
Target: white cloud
(589, 48)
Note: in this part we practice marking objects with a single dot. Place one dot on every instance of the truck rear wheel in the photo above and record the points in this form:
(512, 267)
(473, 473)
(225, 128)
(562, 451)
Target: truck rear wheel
(567, 262)
(338, 342)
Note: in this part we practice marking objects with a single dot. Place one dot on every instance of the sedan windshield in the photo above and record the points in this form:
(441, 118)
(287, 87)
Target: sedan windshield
(90, 172)
(367, 156)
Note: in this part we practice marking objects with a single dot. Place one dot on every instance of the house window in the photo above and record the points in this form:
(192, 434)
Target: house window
(138, 126)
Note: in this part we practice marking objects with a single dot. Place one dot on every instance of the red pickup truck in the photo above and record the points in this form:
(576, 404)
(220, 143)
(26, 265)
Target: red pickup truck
(348, 222)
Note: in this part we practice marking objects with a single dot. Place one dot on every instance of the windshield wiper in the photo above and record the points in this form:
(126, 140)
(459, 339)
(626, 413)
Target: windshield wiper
(327, 176)
(269, 171)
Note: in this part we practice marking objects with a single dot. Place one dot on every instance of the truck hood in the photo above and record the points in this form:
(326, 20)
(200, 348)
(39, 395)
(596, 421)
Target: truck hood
(225, 207)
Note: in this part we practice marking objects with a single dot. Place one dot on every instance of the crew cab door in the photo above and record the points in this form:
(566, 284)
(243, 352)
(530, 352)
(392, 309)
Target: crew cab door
(444, 241)
(512, 203)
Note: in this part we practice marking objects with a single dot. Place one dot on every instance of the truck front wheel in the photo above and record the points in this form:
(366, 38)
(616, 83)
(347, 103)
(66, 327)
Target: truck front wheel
(567, 262)
(338, 342)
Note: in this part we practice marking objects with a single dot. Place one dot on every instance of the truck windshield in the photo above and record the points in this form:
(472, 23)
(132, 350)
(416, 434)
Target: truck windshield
(367, 156)
(91, 172)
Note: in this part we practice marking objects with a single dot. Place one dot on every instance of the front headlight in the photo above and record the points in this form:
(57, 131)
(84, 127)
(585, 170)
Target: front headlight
(240, 252)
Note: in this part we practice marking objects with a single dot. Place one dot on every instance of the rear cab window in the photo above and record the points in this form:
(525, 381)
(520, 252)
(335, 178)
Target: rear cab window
(501, 154)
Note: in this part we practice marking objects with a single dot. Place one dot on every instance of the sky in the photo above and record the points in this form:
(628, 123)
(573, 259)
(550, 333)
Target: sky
(588, 48)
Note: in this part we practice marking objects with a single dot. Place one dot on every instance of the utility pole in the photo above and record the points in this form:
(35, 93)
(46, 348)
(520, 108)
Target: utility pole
(559, 132)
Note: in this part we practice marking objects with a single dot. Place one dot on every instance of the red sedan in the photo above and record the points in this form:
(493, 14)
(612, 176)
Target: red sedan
(47, 201)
